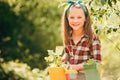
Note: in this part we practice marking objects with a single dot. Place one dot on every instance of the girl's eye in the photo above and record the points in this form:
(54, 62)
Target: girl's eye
(79, 17)
(71, 17)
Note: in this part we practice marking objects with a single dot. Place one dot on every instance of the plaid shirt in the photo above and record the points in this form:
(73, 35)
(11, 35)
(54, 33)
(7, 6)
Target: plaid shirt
(81, 52)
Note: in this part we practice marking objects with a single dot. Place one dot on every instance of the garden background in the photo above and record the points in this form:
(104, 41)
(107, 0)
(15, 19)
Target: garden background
(29, 28)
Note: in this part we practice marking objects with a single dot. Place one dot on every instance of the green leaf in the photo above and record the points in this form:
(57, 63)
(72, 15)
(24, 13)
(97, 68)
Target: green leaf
(103, 2)
(109, 30)
(115, 1)
(114, 29)
(110, 3)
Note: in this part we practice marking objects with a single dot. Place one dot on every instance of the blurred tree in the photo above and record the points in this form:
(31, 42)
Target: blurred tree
(15, 32)
(28, 29)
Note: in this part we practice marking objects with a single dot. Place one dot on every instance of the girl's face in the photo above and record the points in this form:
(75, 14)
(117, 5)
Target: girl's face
(76, 18)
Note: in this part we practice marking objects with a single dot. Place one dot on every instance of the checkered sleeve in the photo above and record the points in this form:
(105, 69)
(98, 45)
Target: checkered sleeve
(65, 56)
(95, 50)
(66, 51)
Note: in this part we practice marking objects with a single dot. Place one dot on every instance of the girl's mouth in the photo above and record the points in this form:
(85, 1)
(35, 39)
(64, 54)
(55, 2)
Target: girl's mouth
(76, 24)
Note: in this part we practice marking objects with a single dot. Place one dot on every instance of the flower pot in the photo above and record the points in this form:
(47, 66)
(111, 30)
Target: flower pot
(57, 73)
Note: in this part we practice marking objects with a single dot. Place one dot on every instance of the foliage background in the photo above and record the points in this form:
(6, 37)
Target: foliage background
(28, 28)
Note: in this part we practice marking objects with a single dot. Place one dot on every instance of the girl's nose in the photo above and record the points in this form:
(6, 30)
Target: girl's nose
(75, 20)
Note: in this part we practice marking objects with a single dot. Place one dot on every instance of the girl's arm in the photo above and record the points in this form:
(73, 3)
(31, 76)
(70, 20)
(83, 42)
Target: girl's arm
(96, 50)
(65, 57)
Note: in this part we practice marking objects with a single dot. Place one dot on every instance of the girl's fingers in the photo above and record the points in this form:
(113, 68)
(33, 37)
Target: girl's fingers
(68, 67)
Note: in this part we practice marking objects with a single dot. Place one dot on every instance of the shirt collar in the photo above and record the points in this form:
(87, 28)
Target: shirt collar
(83, 36)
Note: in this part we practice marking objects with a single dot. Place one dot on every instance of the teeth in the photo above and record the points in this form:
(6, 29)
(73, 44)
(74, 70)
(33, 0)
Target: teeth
(75, 24)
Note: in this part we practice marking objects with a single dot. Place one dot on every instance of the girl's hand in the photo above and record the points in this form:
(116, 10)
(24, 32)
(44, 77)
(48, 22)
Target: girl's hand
(77, 67)
(72, 67)
(65, 58)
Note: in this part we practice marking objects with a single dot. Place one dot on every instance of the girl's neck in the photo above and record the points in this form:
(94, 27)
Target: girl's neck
(77, 33)
(77, 36)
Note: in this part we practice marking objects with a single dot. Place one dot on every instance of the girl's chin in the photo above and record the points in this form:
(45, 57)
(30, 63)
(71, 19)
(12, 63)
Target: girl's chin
(76, 28)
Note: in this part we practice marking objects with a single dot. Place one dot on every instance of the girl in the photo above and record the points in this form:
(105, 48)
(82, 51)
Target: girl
(81, 43)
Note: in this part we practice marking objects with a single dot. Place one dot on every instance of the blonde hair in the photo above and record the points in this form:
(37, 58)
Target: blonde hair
(67, 29)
